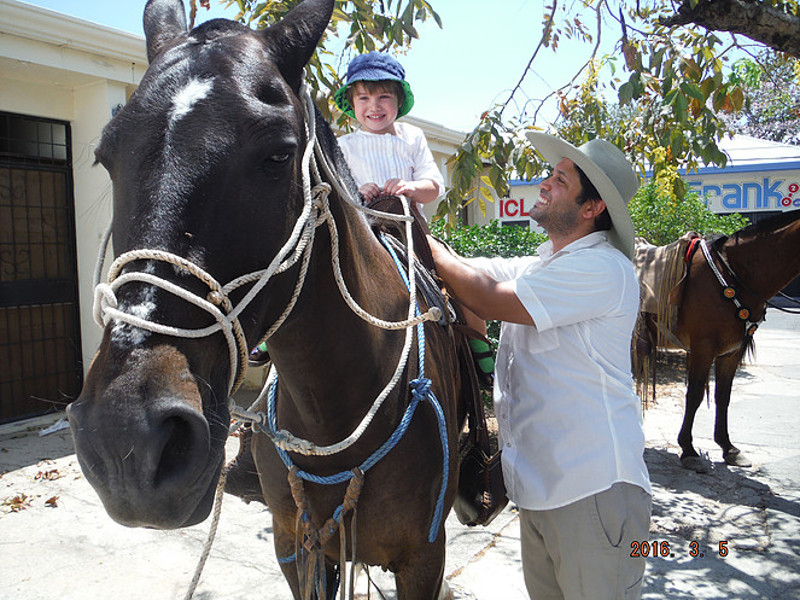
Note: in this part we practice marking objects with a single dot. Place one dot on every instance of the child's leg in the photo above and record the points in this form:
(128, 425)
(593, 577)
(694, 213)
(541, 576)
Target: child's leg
(259, 356)
(481, 350)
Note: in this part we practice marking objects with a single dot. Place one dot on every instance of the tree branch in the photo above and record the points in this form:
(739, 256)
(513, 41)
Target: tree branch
(545, 37)
(752, 18)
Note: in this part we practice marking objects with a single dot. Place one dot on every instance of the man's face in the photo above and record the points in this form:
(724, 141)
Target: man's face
(557, 210)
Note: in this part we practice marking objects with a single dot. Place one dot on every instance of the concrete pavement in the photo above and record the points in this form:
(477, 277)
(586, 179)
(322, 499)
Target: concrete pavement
(57, 541)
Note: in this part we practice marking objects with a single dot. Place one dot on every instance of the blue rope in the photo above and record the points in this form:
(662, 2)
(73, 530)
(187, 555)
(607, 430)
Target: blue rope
(420, 391)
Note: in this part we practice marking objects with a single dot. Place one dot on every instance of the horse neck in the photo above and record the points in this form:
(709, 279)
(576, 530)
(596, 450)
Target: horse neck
(332, 364)
(767, 262)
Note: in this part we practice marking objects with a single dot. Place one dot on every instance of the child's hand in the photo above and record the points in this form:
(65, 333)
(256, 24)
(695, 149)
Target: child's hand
(400, 187)
(422, 191)
(370, 191)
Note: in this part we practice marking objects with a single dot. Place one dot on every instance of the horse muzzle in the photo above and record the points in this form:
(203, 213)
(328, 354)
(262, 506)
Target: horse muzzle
(145, 445)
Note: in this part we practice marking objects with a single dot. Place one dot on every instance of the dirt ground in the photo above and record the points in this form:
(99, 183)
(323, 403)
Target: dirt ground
(730, 533)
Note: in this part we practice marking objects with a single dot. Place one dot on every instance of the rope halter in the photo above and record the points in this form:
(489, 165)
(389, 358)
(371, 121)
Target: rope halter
(315, 212)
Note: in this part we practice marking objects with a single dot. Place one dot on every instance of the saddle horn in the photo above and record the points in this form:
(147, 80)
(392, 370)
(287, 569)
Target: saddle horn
(164, 22)
(293, 40)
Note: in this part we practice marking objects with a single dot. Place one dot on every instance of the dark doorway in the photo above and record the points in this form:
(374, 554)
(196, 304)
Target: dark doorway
(40, 345)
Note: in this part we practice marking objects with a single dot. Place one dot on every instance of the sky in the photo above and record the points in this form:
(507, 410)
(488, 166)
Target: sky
(456, 73)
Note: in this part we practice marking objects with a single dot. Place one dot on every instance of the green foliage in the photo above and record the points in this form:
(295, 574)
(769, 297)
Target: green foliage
(772, 108)
(365, 25)
(660, 218)
(671, 81)
(490, 240)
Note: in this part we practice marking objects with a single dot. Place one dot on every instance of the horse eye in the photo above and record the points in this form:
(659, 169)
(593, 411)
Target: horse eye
(279, 159)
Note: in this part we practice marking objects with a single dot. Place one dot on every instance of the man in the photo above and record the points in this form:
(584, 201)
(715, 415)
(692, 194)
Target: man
(569, 418)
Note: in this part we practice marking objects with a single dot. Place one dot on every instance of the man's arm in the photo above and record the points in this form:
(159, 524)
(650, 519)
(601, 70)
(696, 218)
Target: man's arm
(482, 294)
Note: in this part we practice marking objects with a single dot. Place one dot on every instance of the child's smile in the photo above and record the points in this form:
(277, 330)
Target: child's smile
(376, 111)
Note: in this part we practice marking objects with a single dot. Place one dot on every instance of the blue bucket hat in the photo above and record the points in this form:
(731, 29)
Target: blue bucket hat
(374, 66)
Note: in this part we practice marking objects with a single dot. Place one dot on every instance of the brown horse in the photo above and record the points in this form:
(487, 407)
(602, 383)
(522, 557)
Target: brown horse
(717, 310)
(221, 166)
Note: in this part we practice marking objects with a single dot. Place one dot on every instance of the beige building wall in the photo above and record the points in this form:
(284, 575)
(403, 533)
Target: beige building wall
(55, 66)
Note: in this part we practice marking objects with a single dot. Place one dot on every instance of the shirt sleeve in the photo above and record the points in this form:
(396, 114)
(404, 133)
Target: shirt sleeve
(576, 287)
(503, 269)
(424, 165)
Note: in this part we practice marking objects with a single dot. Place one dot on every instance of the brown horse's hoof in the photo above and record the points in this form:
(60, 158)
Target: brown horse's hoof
(734, 457)
(694, 463)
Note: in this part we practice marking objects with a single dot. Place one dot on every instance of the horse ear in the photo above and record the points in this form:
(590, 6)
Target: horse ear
(295, 38)
(164, 21)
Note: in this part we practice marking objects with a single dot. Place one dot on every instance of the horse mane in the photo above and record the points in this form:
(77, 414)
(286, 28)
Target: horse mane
(763, 227)
(217, 28)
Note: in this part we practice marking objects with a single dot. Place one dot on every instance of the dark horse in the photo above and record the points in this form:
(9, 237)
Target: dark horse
(715, 321)
(211, 162)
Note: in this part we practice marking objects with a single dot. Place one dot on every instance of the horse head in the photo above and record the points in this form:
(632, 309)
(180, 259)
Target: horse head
(205, 161)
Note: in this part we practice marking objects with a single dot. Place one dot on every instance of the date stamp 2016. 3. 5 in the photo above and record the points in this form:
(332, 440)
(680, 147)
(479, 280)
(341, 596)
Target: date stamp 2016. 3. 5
(664, 549)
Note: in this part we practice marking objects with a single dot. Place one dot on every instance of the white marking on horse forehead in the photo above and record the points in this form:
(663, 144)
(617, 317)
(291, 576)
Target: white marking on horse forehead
(124, 334)
(188, 96)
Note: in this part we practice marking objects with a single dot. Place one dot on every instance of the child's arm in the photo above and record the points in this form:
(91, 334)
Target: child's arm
(422, 191)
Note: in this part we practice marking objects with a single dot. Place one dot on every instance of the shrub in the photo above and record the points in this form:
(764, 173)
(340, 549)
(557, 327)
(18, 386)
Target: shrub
(661, 218)
(490, 240)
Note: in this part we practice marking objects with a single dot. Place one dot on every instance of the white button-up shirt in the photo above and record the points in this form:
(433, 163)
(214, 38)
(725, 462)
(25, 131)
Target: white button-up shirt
(569, 418)
(376, 158)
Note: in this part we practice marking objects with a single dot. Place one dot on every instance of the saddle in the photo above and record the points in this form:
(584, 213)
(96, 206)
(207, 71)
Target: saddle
(481, 490)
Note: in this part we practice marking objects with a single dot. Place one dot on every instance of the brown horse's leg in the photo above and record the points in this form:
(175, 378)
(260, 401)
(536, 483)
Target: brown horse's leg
(698, 365)
(423, 577)
(724, 372)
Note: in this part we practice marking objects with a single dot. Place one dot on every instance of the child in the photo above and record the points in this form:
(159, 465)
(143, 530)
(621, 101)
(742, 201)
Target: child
(391, 158)
(385, 157)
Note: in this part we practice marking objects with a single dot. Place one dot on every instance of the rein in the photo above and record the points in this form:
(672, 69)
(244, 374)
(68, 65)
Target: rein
(760, 298)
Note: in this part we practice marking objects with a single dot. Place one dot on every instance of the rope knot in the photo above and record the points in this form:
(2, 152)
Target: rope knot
(104, 298)
(216, 298)
(420, 388)
(320, 193)
(286, 441)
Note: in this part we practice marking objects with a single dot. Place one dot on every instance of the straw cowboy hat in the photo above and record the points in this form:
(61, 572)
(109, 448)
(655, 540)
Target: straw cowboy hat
(609, 171)
(374, 66)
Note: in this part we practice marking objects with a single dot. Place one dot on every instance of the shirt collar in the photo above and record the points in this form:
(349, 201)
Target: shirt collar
(545, 251)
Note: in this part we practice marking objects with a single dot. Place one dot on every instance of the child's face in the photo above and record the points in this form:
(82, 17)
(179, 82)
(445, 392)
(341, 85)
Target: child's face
(377, 110)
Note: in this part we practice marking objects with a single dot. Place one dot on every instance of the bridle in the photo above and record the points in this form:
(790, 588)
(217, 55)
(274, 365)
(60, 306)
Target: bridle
(316, 211)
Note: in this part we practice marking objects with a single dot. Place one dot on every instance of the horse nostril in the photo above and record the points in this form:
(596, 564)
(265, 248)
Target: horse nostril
(181, 449)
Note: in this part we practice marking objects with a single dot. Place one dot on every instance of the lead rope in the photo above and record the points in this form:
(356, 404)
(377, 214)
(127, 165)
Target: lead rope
(212, 534)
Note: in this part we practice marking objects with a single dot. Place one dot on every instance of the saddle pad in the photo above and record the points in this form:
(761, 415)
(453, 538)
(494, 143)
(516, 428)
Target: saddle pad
(655, 263)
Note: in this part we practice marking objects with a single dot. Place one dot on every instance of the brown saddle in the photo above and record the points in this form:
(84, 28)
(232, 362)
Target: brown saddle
(481, 489)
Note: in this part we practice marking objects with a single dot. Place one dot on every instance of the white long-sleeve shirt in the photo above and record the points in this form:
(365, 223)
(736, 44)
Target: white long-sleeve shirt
(376, 158)
(569, 418)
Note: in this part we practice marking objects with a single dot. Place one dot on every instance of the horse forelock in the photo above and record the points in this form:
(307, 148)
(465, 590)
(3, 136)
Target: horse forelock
(192, 110)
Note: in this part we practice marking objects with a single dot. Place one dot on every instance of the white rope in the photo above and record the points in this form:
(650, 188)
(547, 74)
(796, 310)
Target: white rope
(316, 210)
(212, 534)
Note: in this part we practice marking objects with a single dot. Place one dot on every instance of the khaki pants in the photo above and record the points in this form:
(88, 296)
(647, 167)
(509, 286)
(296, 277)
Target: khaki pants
(583, 550)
